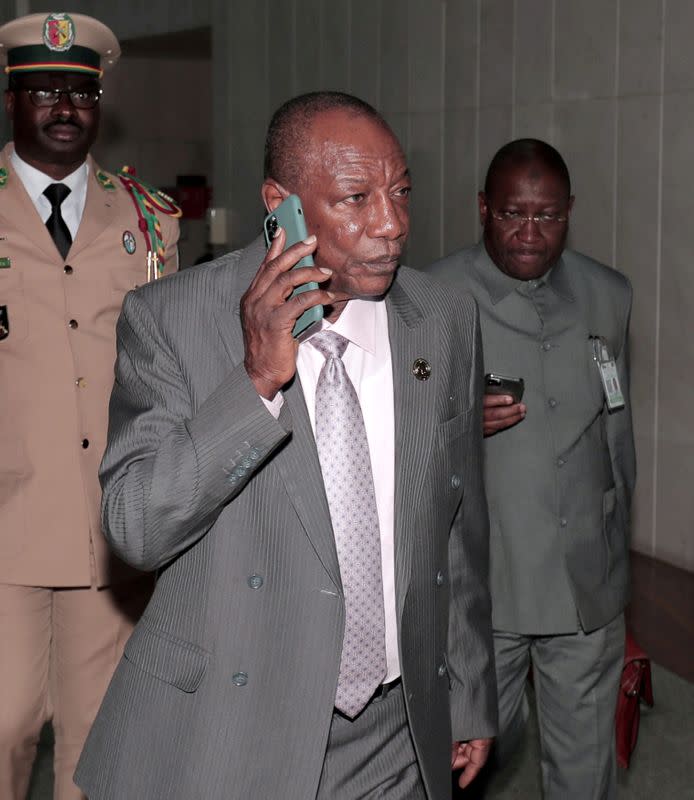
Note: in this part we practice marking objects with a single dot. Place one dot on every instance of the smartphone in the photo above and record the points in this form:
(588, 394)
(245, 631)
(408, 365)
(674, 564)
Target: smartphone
(290, 215)
(502, 384)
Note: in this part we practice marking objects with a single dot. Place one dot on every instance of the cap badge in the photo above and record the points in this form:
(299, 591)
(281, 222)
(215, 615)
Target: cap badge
(58, 32)
(129, 242)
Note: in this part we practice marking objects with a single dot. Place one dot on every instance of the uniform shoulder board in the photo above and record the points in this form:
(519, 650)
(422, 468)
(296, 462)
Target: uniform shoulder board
(158, 199)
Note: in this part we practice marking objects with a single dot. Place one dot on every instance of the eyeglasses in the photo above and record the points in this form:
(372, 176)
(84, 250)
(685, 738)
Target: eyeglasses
(80, 98)
(514, 219)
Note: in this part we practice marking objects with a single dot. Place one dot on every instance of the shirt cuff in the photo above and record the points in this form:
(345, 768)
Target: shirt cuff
(274, 406)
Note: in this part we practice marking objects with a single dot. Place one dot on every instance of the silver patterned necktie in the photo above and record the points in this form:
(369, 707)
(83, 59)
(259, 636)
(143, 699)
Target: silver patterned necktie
(343, 451)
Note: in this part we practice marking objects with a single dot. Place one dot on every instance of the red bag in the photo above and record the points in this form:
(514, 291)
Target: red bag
(634, 686)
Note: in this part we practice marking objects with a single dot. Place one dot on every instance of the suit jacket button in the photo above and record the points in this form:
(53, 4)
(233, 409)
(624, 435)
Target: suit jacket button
(255, 581)
(439, 578)
(67, 269)
(552, 403)
(239, 679)
(85, 444)
(455, 481)
(73, 324)
(563, 522)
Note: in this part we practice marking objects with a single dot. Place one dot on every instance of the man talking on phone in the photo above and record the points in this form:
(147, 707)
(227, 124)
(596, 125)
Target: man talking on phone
(321, 625)
(559, 467)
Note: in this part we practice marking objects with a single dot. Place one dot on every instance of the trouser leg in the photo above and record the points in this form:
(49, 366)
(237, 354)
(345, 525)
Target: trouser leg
(25, 634)
(90, 628)
(512, 655)
(576, 685)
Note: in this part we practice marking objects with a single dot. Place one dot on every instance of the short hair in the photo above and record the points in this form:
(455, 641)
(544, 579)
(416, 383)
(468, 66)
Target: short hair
(288, 132)
(522, 152)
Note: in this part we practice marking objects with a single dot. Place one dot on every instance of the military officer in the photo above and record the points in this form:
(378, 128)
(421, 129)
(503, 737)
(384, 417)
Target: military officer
(73, 240)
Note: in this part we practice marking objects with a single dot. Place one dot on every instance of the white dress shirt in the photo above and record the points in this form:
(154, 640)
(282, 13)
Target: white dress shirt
(36, 181)
(368, 363)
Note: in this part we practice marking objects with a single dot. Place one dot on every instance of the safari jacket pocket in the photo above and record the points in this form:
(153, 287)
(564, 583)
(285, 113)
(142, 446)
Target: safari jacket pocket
(174, 661)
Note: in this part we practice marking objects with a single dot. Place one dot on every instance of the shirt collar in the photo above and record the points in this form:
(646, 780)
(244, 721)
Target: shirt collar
(36, 181)
(359, 323)
(500, 285)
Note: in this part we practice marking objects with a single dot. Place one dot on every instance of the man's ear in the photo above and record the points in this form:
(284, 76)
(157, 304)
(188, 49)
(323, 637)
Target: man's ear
(482, 206)
(273, 193)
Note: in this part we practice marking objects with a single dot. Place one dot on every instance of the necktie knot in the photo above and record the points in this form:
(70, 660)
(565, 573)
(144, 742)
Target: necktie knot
(329, 344)
(56, 193)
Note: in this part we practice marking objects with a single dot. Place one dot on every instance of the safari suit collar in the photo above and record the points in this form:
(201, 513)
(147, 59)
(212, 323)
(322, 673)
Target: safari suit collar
(500, 285)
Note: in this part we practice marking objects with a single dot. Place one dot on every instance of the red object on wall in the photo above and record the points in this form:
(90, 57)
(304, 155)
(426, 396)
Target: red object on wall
(193, 195)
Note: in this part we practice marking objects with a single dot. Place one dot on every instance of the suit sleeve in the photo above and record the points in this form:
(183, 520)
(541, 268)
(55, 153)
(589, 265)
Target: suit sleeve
(168, 470)
(470, 645)
(618, 424)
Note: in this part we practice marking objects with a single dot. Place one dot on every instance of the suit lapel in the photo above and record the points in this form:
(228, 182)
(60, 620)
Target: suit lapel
(19, 210)
(99, 212)
(297, 464)
(411, 337)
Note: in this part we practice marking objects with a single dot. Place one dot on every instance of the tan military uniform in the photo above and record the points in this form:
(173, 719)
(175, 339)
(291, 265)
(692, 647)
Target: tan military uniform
(57, 350)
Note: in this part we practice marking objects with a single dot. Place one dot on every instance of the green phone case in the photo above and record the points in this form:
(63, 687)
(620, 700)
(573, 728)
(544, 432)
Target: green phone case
(290, 216)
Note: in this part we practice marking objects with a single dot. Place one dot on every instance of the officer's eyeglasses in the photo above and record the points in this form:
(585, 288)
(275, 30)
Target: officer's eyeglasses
(80, 98)
(514, 219)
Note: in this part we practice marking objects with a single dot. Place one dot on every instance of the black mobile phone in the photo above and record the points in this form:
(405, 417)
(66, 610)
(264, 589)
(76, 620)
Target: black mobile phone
(502, 384)
(290, 215)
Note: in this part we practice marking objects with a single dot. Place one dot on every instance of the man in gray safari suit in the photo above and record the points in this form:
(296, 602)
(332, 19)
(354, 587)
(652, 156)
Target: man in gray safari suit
(559, 467)
(321, 624)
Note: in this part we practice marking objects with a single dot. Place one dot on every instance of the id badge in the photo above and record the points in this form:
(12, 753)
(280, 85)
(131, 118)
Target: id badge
(608, 373)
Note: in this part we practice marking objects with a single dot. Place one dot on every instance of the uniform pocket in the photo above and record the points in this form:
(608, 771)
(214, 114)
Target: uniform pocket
(175, 661)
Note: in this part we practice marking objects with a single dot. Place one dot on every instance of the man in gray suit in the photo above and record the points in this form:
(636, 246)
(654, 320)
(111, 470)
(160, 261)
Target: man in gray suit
(559, 466)
(287, 652)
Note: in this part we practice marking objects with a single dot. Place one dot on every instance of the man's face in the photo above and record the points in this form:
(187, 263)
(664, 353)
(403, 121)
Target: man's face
(355, 196)
(525, 219)
(55, 135)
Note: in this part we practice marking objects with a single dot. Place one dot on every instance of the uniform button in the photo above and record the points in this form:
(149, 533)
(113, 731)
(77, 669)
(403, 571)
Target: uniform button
(67, 269)
(73, 324)
(546, 346)
(239, 679)
(552, 403)
(560, 462)
(81, 382)
(85, 444)
(255, 581)
(455, 481)
(563, 522)
(442, 670)
(439, 578)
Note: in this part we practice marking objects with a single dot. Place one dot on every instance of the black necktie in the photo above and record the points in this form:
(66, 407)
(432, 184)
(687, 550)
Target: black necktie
(57, 228)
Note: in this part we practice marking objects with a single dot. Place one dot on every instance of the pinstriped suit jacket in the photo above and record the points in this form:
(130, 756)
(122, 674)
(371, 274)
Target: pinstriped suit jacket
(227, 685)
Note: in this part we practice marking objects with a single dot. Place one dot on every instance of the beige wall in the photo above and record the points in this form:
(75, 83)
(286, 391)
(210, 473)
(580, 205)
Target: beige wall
(609, 82)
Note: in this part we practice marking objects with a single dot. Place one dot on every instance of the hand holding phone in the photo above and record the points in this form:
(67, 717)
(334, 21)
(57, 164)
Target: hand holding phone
(502, 384)
(289, 215)
(498, 413)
